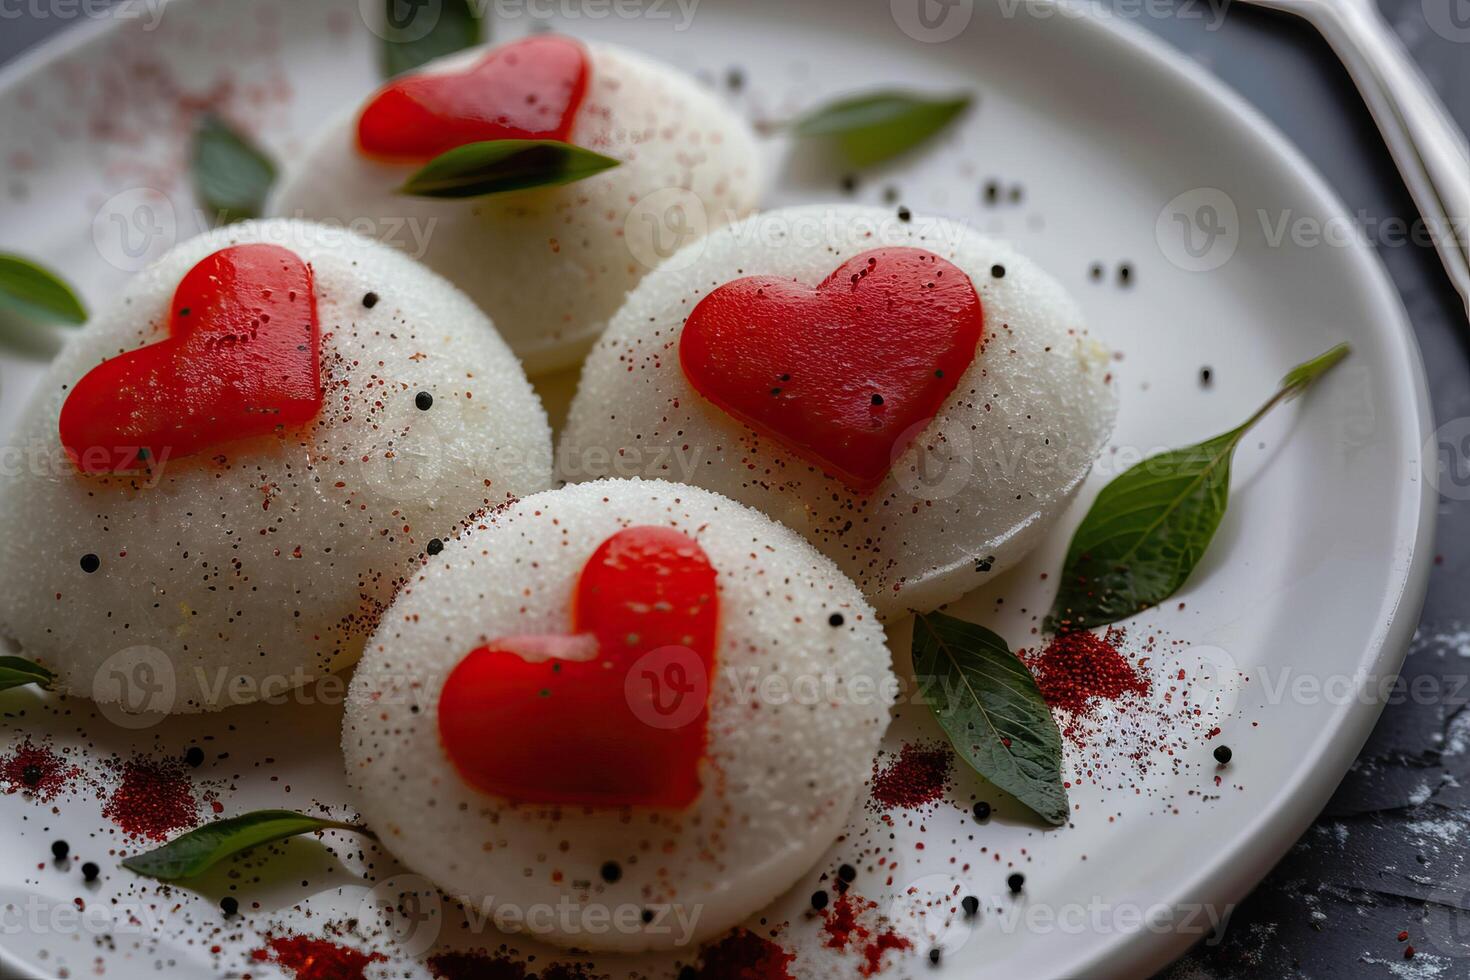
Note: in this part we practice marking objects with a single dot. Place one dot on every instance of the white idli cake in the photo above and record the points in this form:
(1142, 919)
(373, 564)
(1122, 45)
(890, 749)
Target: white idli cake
(917, 401)
(229, 471)
(550, 265)
(639, 704)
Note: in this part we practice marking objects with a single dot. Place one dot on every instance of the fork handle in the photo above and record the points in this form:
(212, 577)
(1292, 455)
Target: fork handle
(1425, 142)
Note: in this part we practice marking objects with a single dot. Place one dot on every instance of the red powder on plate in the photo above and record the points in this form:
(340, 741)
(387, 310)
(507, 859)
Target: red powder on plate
(742, 955)
(919, 776)
(316, 959)
(1078, 671)
(487, 966)
(154, 799)
(849, 925)
(37, 771)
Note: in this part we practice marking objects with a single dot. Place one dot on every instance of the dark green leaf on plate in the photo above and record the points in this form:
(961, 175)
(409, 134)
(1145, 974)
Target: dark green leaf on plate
(497, 166)
(415, 32)
(1148, 529)
(990, 707)
(37, 293)
(232, 177)
(18, 672)
(197, 851)
(872, 128)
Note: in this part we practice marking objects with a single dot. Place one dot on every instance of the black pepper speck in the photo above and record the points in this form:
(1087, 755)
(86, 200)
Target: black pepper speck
(90, 563)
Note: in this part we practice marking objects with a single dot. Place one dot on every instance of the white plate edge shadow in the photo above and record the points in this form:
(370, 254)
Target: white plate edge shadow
(1280, 821)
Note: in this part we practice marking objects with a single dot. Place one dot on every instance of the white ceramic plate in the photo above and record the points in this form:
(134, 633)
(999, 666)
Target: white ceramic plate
(1318, 571)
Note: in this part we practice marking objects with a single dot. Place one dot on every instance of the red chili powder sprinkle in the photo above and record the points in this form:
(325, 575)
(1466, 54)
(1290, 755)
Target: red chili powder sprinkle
(845, 922)
(154, 799)
(316, 959)
(1077, 671)
(487, 966)
(742, 955)
(919, 776)
(37, 771)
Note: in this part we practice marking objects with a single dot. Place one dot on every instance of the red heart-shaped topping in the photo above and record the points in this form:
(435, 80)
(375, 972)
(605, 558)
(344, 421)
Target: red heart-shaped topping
(241, 360)
(526, 90)
(845, 375)
(613, 715)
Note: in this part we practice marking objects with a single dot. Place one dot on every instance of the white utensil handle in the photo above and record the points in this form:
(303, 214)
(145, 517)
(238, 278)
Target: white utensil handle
(1427, 138)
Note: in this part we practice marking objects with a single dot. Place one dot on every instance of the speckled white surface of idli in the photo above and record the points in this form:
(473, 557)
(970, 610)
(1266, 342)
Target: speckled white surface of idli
(972, 494)
(551, 265)
(268, 560)
(797, 708)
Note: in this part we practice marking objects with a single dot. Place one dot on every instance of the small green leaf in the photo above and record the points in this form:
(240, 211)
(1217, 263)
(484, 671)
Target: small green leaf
(37, 293)
(416, 32)
(496, 166)
(990, 707)
(197, 851)
(231, 176)
(18, 672)
(1148, 529)
(871, 128)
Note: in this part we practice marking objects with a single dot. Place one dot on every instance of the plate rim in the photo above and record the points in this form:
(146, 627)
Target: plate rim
(1280, 822)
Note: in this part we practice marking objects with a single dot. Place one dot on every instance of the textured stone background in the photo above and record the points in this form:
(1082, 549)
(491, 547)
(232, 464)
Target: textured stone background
(1389, 852)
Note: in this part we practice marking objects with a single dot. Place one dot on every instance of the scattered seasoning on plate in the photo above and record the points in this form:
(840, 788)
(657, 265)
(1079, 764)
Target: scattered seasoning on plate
(847, 873)
(370, 300)
(819, 900)
(1125, 274)
(90, 563)
(306, 958)
(1015, 882)
(982, 811)
(1206, 377)
(423, 401)
(195, 756)
(611, 871)
(36, 770)
(970, 904)
(229, 905)
(904, 214)
(917, 778)
(855, 924)
(60, 849)
(1095, 272)
(739, 955)
(998, 271)
(835, 620)
(934, 955)
(153, 799)
(1223, 754)
(1078, 671)
(435, 546)
(991, 192)
(90, 871)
